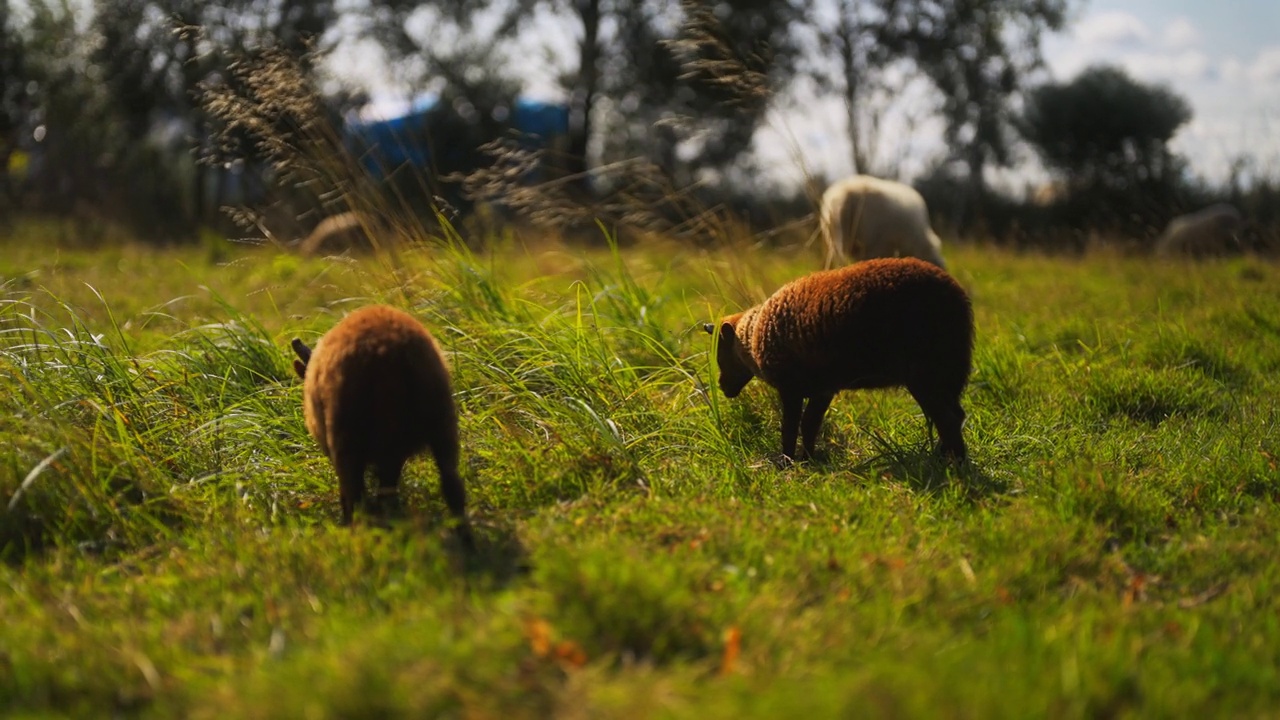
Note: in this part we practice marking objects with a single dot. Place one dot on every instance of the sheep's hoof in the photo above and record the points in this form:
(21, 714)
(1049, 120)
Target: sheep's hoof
(955, 456)
(465, 537)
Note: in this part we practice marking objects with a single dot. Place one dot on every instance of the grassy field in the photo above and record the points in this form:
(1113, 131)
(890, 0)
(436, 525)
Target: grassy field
(169, 529)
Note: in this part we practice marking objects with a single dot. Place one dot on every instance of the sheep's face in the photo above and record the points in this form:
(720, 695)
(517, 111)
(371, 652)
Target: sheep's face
(734, 373)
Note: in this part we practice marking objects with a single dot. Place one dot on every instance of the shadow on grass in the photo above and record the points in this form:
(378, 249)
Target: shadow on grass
(127, 519)
(495, 559)
(498, 557)
(922, 469)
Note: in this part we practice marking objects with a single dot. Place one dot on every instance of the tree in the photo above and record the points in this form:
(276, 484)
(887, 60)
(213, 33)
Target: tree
(1108, 137)
(1104, 130)
(152, 70)
(14, 105)
(654, 71)
(857, 73)
(65, 107)
(978, 54)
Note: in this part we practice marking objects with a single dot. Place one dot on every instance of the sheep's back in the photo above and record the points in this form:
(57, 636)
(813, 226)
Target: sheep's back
(379, 384)
(865, 325)
(1211, 230)
(337, 233)
(878, 218)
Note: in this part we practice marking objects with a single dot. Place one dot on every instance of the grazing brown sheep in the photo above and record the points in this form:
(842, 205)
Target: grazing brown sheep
(1210, 231)
(337, 234)
(887, 322)
(868, 217)
(376, 392)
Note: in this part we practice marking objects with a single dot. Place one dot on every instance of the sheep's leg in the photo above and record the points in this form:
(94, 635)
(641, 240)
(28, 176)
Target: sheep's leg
(792, 405)
(388, 495)
(950, 436)
(814, 411)
(445, 451)
(945, 414)
(350, 470)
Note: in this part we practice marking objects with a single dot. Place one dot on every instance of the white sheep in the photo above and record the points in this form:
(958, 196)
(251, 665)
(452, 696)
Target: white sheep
(1210, 231)
(866, 217)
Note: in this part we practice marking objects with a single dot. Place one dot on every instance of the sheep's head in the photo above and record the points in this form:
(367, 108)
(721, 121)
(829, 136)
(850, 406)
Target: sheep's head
(304, 356)
(734, 372)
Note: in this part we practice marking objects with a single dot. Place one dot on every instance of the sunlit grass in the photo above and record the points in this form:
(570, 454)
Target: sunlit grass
(169, 528)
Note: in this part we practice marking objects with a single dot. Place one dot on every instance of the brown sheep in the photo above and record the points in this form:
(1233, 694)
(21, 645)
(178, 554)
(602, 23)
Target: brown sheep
(888, 322)
(868, 217)
(376, 392)
(337, 234)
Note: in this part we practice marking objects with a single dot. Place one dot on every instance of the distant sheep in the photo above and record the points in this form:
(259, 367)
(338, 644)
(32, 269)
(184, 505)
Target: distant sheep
(880, 323)
(1210, 231)
(338, 233)
(1048, 194)
(376, 392)
(866, 217)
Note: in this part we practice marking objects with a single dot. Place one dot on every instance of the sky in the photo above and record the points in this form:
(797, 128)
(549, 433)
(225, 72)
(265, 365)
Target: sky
(1222, 56)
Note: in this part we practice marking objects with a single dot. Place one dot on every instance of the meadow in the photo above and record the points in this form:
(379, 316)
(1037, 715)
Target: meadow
(169, 533)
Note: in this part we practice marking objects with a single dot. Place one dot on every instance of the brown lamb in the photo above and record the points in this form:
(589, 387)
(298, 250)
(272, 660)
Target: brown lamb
(890, 322)
(339, 233)
(377, 392)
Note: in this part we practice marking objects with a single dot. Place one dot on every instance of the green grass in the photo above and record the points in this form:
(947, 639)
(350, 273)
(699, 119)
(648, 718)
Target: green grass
(169, 533)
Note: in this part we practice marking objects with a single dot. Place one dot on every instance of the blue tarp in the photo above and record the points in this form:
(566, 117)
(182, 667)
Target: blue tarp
(542, 120)
(388, 144)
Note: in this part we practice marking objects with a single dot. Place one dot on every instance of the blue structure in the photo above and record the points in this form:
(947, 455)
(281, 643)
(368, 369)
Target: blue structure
(543, 122)
(385, 145)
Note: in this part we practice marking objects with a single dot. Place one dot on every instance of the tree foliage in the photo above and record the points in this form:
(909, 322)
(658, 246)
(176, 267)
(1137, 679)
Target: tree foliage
(108, 99)
(14, 104)
(683, 85)
(977, 53)
(852, 62)
(1105, 129)
(1107, 136)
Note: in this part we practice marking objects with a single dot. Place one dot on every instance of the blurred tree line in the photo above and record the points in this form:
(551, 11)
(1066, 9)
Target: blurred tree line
(101, 115)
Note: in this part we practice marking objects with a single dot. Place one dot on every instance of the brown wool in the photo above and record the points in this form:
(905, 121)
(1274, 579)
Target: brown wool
(891, 322)
(337, 234)
(376, 392)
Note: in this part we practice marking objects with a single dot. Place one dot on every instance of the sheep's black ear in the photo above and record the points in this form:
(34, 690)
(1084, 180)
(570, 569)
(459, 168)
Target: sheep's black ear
(709, 328)
(727, 332)
(304, 356)
(303, 352)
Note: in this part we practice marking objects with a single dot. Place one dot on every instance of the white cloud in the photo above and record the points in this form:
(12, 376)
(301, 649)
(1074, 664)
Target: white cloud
(1266, 66)
(1180, 34)
(1112, 27)
(1231, 70)
(1176, 68)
